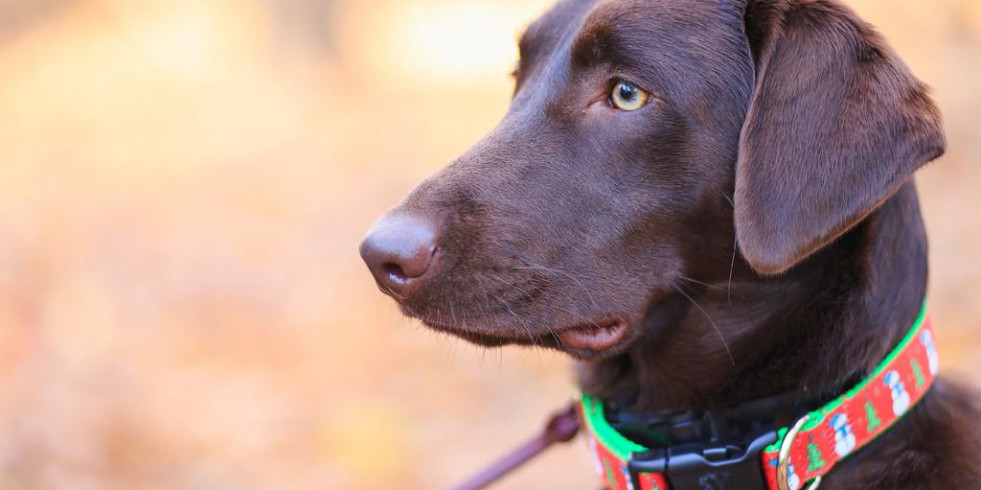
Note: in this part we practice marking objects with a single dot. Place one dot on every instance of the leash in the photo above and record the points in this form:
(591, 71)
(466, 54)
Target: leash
(560, 427)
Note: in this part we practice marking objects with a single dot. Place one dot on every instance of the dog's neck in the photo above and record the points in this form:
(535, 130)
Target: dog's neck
(815, 330)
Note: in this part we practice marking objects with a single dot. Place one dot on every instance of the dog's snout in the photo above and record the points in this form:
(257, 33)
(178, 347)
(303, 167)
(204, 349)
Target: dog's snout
(399, 250)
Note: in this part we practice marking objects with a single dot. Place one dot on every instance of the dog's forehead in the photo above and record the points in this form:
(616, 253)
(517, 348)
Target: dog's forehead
(547, 31)
(695, 34)
(659, 13)
(689, 50)
(582, 17)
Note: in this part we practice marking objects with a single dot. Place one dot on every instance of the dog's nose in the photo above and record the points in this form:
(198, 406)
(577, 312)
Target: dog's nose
(399, 250)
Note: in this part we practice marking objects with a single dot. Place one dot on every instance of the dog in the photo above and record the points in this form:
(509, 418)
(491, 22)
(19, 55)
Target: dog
(705, 203)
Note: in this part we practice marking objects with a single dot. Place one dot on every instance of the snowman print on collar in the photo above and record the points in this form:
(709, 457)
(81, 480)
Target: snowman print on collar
(793, 481)
(844, 438)
(900, 397)
(926, 338)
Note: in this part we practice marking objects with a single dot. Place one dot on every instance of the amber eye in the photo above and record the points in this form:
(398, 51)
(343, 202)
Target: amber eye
(627, 97)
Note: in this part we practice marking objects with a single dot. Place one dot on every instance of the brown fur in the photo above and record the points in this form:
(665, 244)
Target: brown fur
(755, 224)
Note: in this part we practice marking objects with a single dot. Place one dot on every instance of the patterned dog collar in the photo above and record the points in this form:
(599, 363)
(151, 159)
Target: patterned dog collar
(793, 458)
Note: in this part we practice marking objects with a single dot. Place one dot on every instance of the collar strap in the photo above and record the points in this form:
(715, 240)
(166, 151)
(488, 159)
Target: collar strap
(802, 453)
(739, 423)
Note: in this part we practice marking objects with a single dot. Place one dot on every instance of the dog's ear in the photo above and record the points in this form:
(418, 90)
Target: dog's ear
(836, 125)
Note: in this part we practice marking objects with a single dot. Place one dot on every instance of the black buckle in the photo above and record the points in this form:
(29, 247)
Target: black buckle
(699, 467)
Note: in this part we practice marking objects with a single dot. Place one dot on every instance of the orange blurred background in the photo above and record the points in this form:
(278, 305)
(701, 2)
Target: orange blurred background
(183, 184)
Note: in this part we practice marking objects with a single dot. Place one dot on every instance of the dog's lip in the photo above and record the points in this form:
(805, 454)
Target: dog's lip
(594, 336)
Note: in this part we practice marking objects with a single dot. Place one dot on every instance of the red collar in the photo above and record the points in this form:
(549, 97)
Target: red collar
(800, 455)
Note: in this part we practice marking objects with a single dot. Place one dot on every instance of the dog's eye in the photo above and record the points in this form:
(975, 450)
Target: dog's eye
(627, 96)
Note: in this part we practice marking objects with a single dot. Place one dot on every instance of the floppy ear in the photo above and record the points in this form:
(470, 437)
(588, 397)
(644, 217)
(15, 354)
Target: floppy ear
(836, 125)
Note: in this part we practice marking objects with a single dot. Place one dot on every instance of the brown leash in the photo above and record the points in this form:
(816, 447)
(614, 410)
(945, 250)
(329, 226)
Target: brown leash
(561, 427)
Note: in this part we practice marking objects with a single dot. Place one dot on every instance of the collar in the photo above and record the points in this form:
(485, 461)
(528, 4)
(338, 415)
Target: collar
(789, 458)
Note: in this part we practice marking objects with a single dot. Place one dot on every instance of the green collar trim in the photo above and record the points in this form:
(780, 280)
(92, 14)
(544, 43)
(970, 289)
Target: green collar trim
(827, 436)
(818, 416)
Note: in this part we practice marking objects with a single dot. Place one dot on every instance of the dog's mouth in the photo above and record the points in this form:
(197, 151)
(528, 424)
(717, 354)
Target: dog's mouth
(595, 337)
(587, 339)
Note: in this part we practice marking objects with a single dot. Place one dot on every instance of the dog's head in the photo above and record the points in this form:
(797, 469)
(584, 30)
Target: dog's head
(650, 144)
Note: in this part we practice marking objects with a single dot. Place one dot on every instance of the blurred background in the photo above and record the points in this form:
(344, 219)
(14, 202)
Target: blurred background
(183, 184)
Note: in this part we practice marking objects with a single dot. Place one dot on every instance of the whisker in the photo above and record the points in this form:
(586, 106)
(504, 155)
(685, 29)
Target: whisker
(732, 263)
(553, 307)
(711, 322)
(532, 265)
(453, 313)
(700, 283)
(732, 267)
(521, 322)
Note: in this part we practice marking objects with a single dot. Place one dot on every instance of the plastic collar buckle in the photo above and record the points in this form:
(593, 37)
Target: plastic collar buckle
(709, 467)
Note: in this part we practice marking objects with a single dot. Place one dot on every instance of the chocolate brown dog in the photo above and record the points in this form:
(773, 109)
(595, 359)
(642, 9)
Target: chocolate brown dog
(706, 202)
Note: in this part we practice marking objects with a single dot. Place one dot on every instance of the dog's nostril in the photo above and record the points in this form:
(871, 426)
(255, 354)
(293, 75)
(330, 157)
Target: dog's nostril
(395, 272)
